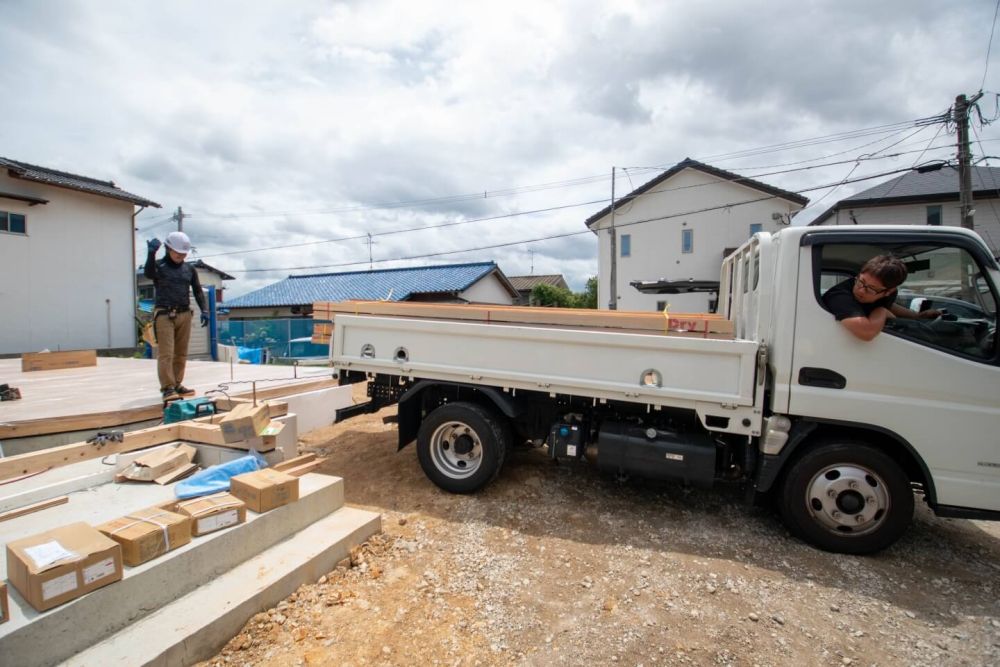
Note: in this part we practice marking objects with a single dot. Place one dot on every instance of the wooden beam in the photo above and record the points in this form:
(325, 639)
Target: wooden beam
(85, 422)
(50, 361)
(34, 507)
(294, 462)
(300, 470)
(34, 462)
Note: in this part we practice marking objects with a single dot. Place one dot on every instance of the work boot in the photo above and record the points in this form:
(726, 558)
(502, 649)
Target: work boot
(184, 391)
(170, 394)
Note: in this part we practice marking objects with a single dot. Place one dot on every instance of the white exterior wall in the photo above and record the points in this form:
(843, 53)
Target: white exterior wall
(986, 217)
(69, 282)
(656, 246)
(488, 290)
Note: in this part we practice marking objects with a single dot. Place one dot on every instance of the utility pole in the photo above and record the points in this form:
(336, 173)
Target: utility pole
(370, 243)
(961, 118)
(179, 219)
(613, 301)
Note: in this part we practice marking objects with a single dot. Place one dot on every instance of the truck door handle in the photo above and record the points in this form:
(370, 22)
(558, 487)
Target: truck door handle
(821, 377)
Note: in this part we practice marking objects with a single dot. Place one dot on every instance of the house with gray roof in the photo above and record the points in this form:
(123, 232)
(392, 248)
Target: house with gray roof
(676, 227)
(67, 260)
(524, 285)
(929, 198)
(480, 282)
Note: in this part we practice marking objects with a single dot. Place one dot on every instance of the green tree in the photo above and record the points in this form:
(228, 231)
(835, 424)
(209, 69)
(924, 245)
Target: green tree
(560, 297)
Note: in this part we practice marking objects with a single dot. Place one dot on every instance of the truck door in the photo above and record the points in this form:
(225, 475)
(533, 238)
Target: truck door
(932, 383)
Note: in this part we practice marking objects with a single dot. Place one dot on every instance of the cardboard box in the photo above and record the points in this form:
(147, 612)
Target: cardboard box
(62, 564)
(244, 422)
(4, 605)
(212, 513)
(155, 465)
(147, 534)
(263, 490)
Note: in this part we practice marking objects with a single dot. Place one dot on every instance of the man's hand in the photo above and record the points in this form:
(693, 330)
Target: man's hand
(204, 320)
(153, 245)
(929, 314)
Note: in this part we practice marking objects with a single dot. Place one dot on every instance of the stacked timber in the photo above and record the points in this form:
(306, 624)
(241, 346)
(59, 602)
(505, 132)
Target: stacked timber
(700, 325)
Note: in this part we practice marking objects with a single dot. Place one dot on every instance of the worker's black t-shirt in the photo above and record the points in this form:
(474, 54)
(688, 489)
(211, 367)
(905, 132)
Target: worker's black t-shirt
(840, 301)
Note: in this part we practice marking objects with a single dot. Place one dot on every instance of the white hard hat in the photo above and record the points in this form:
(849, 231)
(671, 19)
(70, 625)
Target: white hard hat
(178, 242)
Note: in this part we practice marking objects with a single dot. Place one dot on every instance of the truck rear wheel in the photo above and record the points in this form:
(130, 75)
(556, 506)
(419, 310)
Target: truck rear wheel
(846, 497)
(462, 446)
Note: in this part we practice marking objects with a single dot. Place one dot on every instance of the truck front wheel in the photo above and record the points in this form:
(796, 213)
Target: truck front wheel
(462, 446)
(846, 497)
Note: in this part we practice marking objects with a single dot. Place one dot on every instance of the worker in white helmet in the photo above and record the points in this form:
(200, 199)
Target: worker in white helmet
(174, 280)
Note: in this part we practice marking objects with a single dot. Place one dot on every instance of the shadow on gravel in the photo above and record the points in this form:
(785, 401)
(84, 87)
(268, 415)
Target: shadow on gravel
(942, 569)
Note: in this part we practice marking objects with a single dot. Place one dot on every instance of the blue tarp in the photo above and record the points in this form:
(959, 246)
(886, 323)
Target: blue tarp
(216, 478)
(253, 355)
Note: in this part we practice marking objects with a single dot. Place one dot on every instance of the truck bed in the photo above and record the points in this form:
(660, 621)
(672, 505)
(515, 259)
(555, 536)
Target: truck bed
(713, 377)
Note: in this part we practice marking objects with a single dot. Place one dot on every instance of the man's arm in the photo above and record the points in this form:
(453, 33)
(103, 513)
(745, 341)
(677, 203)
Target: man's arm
(907, 314)
(199, 295)
(866, 328)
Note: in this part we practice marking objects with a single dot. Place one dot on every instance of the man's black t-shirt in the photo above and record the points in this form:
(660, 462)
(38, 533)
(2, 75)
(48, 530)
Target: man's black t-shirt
(840, 301)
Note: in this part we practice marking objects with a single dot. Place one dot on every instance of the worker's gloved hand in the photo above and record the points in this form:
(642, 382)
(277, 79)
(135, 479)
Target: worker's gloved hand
(204, 320)
(153, 245)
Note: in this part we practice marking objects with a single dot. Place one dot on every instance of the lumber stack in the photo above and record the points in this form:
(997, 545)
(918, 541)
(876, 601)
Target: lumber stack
(700, 325)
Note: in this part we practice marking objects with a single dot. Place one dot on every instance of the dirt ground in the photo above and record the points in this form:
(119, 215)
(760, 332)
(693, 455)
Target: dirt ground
(555, 564)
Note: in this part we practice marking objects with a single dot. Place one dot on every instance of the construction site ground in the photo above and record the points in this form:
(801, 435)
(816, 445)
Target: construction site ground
(557, 564)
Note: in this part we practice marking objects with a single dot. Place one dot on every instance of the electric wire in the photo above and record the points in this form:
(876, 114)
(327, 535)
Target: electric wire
(558, 236)
(989, 45)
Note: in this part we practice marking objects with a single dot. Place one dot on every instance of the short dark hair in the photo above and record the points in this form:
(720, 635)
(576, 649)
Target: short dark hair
(890, 270)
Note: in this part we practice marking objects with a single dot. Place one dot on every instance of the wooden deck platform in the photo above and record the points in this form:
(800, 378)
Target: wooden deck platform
(125, 391)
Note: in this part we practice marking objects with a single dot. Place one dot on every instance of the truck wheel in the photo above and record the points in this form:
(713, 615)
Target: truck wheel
(462, 446)
(846, 497)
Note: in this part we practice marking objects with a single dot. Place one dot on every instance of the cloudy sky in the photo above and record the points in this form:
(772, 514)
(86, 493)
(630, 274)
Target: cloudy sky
(289, 131)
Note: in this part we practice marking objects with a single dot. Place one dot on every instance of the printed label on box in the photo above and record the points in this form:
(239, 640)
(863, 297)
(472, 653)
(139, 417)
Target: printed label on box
(98, 571)
(56, 587)
(48, 553)
(219, 521)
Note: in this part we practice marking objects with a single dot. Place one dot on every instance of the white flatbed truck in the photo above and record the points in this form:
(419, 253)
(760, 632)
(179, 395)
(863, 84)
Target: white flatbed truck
(839, 432)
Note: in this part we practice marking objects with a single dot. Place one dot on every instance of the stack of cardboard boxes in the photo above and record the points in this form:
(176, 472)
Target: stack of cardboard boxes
(59, 565)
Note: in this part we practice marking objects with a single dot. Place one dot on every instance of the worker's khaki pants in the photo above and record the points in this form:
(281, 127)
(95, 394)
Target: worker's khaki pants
(172, 337)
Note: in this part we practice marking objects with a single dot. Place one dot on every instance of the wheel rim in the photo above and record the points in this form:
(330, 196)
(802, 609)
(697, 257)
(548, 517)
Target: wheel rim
(848, 499)
(456, 450)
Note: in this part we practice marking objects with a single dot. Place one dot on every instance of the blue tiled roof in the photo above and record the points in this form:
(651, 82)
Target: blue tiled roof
(387, 284)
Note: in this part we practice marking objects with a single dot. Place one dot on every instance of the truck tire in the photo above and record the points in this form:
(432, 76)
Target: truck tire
(847, 497)
(462, 446)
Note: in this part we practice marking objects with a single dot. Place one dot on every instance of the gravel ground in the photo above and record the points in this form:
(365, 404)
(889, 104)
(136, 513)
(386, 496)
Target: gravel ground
(556, 564)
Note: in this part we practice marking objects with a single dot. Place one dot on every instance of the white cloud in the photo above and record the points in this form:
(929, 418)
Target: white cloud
(281, 123)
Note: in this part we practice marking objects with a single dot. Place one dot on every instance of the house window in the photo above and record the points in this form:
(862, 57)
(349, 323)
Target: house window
(626, 245)
(687, 240)
(14, 223)
(934, 215)
(147, 292)
(756, 227)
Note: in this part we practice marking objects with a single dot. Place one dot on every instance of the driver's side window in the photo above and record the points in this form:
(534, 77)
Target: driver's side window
(940, 278)
(949, 280)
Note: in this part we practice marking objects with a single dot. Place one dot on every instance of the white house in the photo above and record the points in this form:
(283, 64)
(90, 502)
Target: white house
(678, 227)
(67, 274)
(929, 198)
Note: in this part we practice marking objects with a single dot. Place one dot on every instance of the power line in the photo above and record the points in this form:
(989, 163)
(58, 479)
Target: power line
(454, 223)
(989, 45)
(410, 229)
(560, 236)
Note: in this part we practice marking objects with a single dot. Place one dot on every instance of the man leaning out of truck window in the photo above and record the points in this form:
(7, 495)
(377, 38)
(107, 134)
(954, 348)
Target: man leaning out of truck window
(864, 303)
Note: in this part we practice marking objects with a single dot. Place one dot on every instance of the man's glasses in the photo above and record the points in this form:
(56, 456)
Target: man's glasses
(874, 291)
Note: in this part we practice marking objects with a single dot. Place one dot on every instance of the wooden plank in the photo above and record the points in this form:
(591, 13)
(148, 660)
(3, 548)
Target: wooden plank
(295, 462)
(83, 422)
(298, 471)
(670, 323)
(33, 462)
(35, 507)
(50, 361)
